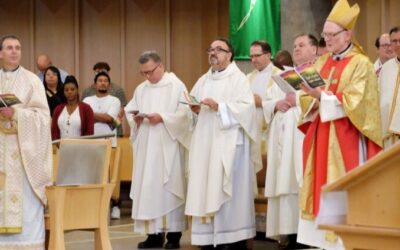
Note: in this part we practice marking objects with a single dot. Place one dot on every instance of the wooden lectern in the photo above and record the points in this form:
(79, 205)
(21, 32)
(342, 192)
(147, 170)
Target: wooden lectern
(373, 204)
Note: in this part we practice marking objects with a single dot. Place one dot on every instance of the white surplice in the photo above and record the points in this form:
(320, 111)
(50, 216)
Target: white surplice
(284, 161)
(260, 81)
(26, 163)
(389, 83)
(158, 183)
(223, 158)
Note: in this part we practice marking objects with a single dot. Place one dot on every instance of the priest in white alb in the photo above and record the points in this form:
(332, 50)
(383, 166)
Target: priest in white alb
(260, 80)
(284, 161)
(25, 153)
(277, 126)
(223, 155)
(389, 83)
(160, 136)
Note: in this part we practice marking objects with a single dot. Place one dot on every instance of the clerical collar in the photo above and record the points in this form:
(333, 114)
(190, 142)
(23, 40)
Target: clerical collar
(341, 55)
(13, 70)
(215, 71)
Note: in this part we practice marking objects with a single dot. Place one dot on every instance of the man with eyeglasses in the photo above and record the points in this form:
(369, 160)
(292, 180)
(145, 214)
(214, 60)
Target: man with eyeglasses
(223, 155)
(389, 80)
(342, 127)
(385, 51)
(260, 80)
(283, 144)
(159, 134)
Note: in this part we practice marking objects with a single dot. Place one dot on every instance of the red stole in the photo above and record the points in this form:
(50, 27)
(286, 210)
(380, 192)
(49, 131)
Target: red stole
(318, 134)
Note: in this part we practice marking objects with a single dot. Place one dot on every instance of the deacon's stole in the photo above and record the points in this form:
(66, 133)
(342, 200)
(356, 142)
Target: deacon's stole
(332, 148)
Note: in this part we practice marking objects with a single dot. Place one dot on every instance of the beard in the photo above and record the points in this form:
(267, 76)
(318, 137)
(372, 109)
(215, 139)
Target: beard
(103, 91)
(213, 60)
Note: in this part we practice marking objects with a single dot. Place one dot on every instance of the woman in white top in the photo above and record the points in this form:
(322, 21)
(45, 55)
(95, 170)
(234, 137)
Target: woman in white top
(73, 118)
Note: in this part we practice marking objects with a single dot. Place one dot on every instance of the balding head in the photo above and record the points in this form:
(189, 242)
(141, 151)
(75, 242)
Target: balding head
(43, 61)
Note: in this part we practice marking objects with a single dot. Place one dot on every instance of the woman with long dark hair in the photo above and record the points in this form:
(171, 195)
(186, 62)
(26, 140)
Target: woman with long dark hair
(53, 85)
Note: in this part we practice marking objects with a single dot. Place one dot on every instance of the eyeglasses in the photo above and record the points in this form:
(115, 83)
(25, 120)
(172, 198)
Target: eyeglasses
(217, 50)
(331, 35)
(256, 55)
(385, 46)
(395, 41)
(149, 72)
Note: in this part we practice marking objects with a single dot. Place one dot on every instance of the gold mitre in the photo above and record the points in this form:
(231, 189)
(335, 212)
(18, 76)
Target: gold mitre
(344, 15)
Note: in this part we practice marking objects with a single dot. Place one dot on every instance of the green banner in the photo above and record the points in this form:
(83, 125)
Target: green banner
(251, 20)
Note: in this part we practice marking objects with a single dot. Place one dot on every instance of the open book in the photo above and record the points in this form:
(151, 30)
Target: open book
(190, 100)
(7, 100)
(289, 80)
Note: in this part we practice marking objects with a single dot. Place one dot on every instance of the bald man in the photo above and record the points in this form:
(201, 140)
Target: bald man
(43, 62)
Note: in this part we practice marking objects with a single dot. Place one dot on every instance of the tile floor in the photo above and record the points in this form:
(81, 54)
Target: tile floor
(122, 238)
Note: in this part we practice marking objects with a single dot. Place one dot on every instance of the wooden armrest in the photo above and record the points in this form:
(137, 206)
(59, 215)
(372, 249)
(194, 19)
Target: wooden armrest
(115, 169)
(85, 186)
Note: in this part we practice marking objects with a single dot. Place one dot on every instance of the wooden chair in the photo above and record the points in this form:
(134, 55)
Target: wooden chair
(80, 198)
(115, 171)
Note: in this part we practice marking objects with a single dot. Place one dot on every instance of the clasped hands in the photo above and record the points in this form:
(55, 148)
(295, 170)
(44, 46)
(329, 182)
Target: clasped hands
(285, 104)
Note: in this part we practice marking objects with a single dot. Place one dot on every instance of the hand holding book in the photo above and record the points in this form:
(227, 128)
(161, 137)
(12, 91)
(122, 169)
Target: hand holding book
(8, 100)
(314, 92)
(190, 100)
(138, 117)
(291, 79)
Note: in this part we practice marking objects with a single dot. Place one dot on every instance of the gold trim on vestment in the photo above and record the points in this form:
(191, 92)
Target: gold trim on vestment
(10, 230)
(359, 86)
(307, 189)
(335, 164)
(12, 175)
(12, 127)
(164, 222)
(21, 246)
(305, 102)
